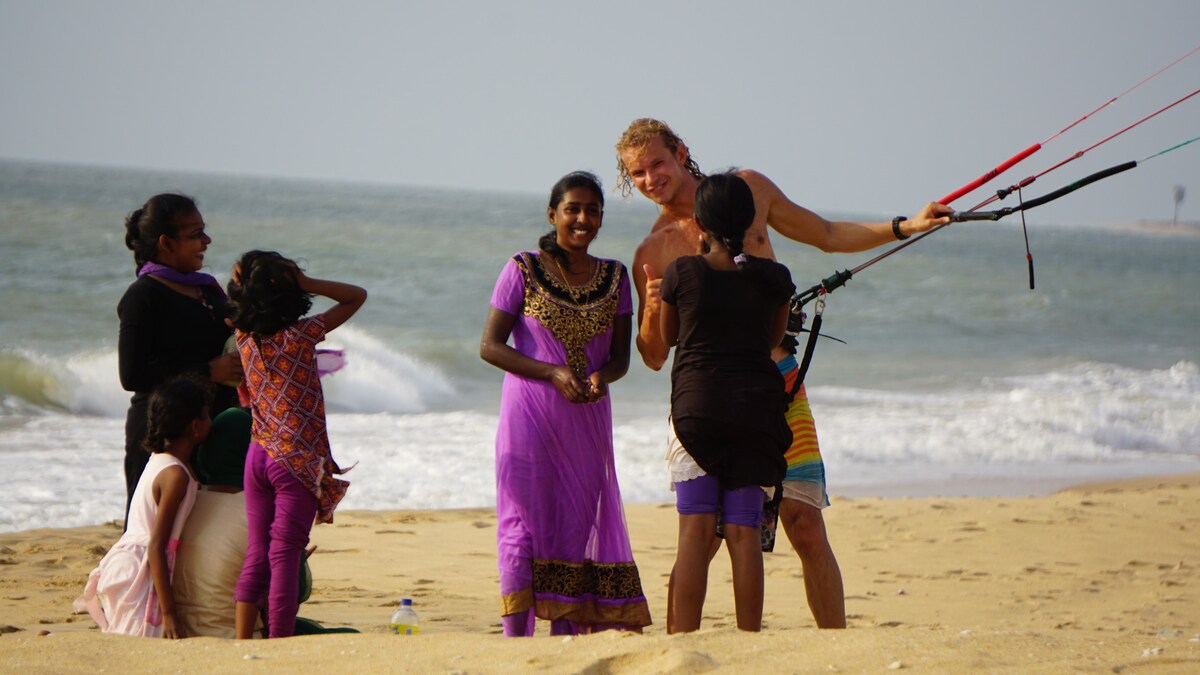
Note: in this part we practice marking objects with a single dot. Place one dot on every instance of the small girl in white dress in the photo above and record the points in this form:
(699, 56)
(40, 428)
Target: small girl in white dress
(129, 593)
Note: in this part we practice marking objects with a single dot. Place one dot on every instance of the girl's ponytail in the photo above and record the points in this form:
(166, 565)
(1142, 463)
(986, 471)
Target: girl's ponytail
(725, 208)
(548, 243)
(735, 244)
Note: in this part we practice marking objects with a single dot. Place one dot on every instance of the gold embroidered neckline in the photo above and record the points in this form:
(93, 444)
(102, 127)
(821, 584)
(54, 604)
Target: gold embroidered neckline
(572, 322)
(576, 294)
(574, 291)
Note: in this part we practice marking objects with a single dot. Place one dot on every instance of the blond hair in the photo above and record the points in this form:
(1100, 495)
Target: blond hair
(640, 132)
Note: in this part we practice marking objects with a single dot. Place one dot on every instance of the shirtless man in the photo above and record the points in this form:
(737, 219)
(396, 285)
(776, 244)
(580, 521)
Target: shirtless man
(655, 161)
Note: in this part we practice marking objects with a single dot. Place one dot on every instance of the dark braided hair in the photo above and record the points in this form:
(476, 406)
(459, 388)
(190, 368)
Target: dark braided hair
(266, 298)
(173, 407)
(576, 179)
(158, 216)
(724, 207)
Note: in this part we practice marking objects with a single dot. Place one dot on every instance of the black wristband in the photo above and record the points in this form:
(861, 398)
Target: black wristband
(896, 227)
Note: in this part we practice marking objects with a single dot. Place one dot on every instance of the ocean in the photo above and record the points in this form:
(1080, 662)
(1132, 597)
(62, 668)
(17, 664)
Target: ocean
(956, 379)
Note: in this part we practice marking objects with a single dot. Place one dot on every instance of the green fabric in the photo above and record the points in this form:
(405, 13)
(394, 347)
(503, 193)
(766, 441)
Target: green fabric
(305, 581)
(221, 458)
(308, 626)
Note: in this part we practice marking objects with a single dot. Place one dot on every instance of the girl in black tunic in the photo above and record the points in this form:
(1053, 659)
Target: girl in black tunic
(172, 317)
(723, 311)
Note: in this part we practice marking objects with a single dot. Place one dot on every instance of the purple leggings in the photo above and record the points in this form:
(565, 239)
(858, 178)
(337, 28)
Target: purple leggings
(743, 506)
(279, 516)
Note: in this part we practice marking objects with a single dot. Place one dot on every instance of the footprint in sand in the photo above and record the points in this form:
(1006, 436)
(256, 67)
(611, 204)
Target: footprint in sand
(663, 661)
(408, 518)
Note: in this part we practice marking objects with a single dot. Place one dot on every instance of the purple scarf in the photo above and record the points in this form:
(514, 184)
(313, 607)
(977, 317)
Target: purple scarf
(172, 274)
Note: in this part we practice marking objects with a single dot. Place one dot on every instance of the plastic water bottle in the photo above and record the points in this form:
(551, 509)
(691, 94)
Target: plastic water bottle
(404, 621)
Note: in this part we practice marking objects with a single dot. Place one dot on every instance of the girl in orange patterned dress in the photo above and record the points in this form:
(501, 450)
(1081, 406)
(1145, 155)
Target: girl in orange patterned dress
(290, 474)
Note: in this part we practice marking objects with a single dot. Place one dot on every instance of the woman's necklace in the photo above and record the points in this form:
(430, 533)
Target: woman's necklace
(573, 291)
(203, 299)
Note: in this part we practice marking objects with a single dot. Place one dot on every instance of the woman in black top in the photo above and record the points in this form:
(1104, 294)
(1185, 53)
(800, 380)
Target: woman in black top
(172, 317)
(724, 311)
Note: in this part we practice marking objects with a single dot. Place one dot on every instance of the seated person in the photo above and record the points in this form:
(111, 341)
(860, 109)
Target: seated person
(213, 542)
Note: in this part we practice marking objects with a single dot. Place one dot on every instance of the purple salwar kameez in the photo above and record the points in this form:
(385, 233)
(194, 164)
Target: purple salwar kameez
(563, 548)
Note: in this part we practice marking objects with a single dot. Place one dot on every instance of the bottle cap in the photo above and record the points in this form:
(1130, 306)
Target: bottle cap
(406, 602)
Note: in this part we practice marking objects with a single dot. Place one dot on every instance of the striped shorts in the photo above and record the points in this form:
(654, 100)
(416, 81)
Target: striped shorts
(805, 478)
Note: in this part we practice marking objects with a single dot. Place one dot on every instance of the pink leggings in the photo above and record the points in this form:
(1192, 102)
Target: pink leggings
(279, 516)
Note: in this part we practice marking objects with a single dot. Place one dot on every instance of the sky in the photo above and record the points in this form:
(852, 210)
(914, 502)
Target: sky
(850, 107)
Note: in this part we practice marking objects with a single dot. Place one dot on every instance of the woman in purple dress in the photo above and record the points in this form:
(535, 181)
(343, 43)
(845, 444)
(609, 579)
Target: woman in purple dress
(563, 548)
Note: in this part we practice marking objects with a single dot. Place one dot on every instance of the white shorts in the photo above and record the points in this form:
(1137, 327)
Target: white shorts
(680, 465)
(806, 492)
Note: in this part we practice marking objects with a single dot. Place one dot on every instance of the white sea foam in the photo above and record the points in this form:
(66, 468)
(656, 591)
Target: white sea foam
(1084, 422)
(376, 378)
(1018, 435)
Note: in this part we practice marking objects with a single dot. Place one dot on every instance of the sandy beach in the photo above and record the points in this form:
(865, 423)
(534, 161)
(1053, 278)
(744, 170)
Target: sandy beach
(1097, 578)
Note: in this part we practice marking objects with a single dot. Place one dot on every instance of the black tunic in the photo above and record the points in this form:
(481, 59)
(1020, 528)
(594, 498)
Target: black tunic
(727, 395)
(164, 333)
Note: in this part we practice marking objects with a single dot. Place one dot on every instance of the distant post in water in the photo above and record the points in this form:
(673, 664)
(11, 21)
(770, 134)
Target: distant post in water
(1178, 200)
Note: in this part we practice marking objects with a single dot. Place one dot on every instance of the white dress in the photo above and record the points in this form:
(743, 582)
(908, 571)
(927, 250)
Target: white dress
(120, 593)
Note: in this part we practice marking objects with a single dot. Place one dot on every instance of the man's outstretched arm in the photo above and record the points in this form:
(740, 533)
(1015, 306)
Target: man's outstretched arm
(799, 224)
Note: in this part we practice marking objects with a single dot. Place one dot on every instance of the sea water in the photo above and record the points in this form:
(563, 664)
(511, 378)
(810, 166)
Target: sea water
(956, 379)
